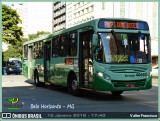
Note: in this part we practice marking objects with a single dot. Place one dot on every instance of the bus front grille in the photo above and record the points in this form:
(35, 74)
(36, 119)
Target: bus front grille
(132, 83)
(127, 69)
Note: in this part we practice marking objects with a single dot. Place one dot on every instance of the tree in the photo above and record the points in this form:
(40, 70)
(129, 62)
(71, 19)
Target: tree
(11, 32)
(14, 50)
(38, 34)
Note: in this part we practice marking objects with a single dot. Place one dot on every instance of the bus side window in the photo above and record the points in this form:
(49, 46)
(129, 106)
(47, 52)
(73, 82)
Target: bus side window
(73, 44)
(63, 45)
(38, 50)
(55, 47)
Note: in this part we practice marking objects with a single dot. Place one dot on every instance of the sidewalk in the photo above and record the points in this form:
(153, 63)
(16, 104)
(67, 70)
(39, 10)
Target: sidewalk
(155, 81)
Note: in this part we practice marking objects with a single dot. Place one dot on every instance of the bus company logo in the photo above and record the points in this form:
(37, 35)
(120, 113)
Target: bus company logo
(13, 104)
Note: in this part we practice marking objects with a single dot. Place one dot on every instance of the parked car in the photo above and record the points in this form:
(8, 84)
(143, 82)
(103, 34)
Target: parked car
(14, 65)
(155, 71)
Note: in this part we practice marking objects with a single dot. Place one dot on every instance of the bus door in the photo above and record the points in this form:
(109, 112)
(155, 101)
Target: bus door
(86, 60)
(30, 58)
(47, 57)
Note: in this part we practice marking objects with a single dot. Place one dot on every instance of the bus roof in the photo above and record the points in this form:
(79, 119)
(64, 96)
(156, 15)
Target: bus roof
(88, 23)
(11, 59)
(93, 22)
(37, 39)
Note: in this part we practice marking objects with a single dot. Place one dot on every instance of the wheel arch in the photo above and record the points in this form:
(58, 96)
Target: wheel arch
(70, 75)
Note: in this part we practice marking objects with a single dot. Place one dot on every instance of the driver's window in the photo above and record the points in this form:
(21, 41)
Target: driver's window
(100, 50)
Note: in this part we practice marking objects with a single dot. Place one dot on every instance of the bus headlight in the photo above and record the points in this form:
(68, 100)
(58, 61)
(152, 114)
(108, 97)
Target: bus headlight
(10, 69)
(104, 76)
(100, 74)
(148, 76)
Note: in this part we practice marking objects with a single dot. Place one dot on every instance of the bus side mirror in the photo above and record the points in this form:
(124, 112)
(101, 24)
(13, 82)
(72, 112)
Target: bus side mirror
(96, 50)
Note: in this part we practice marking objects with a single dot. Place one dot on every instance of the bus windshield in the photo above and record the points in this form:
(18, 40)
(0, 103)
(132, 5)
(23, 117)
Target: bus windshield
(15, 63)
(128, 48)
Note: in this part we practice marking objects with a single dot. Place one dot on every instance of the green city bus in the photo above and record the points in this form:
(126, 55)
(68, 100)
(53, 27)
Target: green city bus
(105, 54)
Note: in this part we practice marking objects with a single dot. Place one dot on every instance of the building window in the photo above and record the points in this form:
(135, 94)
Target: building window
(85, 11)
(78, 13)
(81, 13)
(74, 7)
(90, 8)
(81, 3)
(103, 5)
(74, 15)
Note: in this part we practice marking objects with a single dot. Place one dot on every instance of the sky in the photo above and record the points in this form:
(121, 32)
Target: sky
(39, 16)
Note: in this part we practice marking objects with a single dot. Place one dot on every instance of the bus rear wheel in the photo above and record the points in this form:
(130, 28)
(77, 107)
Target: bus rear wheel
(116, 93)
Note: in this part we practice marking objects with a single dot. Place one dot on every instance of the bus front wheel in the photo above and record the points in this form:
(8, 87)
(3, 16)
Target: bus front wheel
(73, 86)
(116, 93)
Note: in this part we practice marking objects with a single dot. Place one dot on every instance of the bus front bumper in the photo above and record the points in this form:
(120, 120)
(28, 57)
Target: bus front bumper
(118, 85)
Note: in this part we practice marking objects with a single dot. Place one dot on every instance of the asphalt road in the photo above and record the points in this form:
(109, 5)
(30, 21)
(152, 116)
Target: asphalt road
(41, 99)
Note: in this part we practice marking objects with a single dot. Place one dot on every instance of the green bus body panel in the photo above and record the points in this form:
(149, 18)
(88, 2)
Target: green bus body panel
(59, 71)
(56, 71)
(25, 67)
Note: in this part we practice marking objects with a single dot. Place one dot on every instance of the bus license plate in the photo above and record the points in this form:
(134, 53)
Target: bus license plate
(130, 85)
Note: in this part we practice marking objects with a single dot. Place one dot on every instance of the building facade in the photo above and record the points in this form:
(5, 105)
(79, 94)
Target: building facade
(59, 16)
(79, 12)
(23, 13)
(75, 13)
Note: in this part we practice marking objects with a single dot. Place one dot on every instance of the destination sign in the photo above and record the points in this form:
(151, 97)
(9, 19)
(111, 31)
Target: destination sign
(124, 24)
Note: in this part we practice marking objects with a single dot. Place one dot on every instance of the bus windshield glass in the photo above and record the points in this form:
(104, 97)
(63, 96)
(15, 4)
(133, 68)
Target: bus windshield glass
(15, 63)
(127, 48)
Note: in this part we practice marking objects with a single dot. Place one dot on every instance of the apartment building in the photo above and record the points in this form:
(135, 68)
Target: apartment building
(23, 13)
(59, 16)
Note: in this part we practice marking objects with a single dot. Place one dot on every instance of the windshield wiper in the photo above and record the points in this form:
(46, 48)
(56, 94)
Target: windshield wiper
(117, 42)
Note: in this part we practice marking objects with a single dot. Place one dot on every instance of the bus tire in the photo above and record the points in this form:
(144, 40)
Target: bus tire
(116, 93)
(73, 86)
(36, 79)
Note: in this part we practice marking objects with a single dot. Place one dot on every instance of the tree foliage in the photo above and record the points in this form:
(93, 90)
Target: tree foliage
(38, 34)
(11, 32)
(15, 50)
